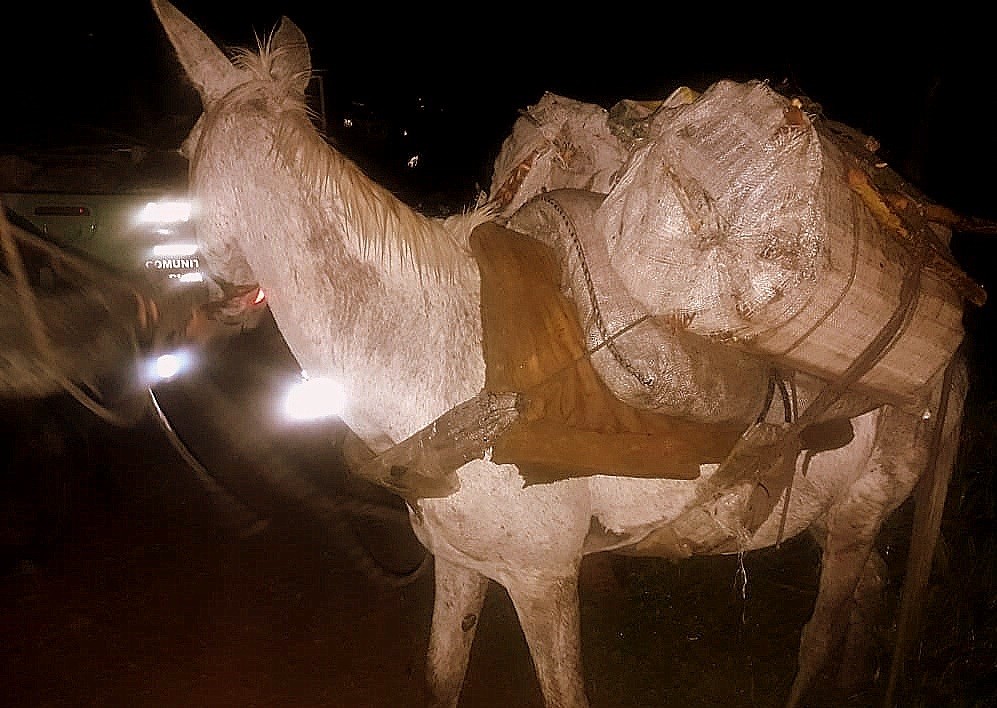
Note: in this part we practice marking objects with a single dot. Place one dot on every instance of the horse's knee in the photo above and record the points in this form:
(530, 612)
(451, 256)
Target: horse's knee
(839, 636)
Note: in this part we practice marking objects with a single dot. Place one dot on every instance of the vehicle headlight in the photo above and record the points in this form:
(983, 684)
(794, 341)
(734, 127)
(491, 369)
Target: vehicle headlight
(175, 254)
(166, 212)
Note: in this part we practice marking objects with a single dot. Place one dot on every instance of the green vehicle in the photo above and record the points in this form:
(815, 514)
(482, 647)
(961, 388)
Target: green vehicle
(50, 447)
(144, 235)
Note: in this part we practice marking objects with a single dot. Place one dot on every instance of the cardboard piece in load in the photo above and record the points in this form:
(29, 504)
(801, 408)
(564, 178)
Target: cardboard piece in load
(570, 424)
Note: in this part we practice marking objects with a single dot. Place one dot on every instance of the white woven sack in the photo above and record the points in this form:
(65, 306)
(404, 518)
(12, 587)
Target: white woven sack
(715, 220)
(557, 143)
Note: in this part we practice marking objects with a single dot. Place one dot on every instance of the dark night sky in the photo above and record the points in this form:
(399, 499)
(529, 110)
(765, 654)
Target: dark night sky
(923, 85)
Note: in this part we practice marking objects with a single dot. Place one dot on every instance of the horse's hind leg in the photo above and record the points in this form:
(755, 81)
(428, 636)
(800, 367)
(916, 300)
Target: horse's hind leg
(548, 611)
(460, 594)
(856, 653)
(853, 523)
(843, 564)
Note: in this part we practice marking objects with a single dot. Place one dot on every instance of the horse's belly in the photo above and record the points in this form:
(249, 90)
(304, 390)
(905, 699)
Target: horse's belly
(628, 510)
(496, 525)
(625, 506)
(499, 526)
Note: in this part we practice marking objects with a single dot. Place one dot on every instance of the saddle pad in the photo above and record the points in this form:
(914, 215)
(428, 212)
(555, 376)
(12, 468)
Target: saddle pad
(570, 424)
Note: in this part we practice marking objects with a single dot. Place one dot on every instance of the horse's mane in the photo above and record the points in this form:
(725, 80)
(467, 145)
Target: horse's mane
(380, 223)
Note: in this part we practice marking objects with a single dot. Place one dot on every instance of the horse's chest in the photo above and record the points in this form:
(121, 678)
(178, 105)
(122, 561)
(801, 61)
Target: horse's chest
(403, 359)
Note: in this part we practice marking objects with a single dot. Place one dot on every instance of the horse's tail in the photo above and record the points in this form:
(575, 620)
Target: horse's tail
(929, 504)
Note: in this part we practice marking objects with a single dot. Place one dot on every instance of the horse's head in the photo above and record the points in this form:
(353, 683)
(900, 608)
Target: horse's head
(260, 172)
(237, 191)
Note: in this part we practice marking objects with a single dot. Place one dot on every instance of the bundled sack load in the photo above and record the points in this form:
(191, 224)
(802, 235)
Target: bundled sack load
(739, 218)
(558, 143)
(752, 224)
(644, 361)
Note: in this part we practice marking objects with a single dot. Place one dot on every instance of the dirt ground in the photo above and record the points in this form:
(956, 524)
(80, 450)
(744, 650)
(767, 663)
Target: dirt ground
(142, 588)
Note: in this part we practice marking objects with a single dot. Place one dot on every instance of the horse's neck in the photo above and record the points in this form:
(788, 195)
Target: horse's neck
(415, 352)
(362, 287)
(411, 311)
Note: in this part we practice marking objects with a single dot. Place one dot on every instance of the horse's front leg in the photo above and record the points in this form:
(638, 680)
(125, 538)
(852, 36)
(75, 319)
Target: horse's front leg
(460, 594)
(548, 612)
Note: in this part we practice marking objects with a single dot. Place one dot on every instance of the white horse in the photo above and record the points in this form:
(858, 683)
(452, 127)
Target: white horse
(387, 301)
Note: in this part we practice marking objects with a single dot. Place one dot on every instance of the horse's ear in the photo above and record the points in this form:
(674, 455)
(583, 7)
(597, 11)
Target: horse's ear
(292, 59)
(211, 72)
